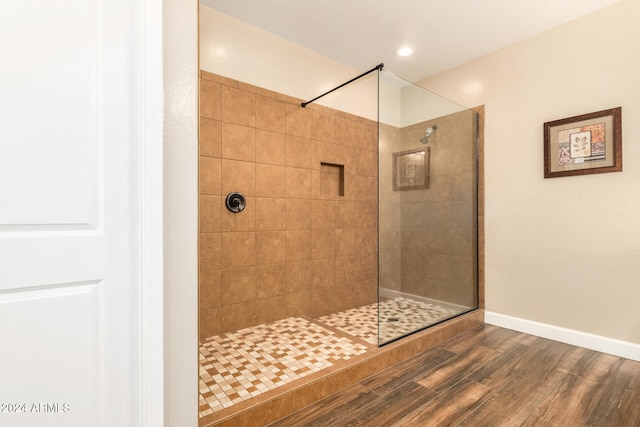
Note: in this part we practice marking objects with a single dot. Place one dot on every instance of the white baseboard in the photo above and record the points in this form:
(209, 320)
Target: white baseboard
(581, 339)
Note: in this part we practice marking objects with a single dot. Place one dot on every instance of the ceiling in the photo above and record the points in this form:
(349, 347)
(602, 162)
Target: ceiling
(442, 33)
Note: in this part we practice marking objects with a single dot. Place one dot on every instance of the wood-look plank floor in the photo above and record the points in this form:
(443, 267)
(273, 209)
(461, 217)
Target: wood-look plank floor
(489, 376)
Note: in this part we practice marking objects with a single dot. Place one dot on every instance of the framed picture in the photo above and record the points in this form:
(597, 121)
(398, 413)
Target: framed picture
(580, 145)
(411, 169)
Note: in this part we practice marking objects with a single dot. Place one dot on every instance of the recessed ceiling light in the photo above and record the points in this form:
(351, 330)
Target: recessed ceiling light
(405, 51)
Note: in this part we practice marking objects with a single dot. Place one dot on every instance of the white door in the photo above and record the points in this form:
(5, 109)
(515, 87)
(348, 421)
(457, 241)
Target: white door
(70, 229)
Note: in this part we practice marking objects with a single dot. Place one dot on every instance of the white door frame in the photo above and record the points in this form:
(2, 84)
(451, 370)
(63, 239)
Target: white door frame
(151, 215)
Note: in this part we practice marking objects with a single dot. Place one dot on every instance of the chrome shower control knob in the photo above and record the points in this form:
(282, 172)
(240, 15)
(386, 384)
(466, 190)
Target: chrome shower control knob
(235, 202)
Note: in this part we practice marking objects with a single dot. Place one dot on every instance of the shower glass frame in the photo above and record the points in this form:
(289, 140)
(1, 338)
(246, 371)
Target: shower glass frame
(413, 292)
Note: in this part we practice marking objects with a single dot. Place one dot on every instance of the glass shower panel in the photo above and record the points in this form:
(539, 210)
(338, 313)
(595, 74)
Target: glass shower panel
(427, 203)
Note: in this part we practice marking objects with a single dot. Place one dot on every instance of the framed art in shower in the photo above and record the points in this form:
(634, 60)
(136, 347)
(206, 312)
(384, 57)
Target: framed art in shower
(411, 169)
(585, 144)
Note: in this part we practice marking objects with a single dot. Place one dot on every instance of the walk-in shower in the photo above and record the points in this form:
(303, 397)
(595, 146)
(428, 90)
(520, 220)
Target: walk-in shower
(327, 231)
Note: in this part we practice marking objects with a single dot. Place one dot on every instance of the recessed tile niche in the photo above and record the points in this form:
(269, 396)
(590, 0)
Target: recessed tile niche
(331, 179)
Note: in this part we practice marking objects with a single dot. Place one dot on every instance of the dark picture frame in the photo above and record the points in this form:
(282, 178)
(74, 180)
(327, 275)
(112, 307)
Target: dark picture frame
(585, 144)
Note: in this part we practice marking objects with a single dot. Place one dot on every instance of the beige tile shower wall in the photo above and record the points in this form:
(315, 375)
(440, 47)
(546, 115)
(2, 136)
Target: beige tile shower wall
(439, 226)
(390, 231)
(430, 234)
(299, 248)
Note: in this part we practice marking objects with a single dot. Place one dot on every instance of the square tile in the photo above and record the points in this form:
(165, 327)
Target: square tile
(210, 176)
(238, 142)
(298, 183)
(238, 176)
(270, 147)
(210, 137)
(210, 100)
(270, 247)
(238, 285)
(238, 106)
(270, 213)
(270, 114)
(270, 180)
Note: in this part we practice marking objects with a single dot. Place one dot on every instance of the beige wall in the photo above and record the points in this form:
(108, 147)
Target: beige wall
(180, 213)
(562, 251)
(234, 49)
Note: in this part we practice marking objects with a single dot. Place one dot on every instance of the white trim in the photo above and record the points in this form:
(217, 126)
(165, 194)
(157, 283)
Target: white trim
(616, 347)
(150, 185)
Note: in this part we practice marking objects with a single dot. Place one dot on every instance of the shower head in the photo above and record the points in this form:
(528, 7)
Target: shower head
(428, 133)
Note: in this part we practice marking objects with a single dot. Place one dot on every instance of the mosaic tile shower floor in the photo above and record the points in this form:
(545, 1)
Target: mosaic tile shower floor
(398, 317)
(240, 365)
